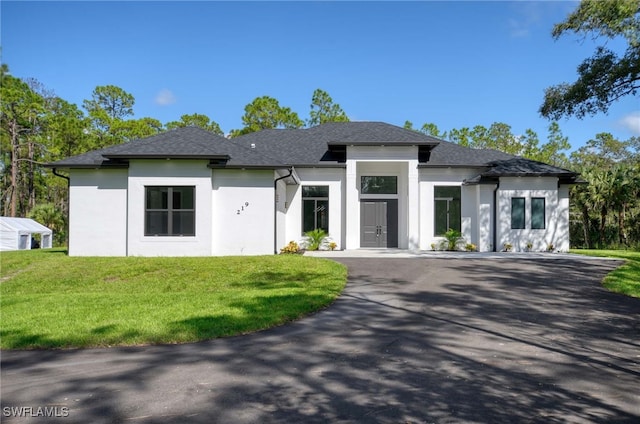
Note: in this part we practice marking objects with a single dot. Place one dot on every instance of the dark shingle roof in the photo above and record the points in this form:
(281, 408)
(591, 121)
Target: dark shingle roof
(369, 133)
(322, 145)
(521, 166)
(187, 143)
(451, 154)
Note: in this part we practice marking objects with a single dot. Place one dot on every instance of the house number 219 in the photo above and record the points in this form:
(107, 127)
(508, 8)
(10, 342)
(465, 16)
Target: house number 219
(246, 204)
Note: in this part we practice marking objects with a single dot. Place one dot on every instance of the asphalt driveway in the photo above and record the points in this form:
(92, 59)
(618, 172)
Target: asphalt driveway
(409, 341)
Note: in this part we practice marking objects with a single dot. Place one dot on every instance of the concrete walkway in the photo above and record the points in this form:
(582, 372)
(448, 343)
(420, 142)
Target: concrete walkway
(437, 340)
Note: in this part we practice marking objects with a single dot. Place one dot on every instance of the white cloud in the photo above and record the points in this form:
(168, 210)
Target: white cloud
(518, 28)
(165, 97)
(631, 122)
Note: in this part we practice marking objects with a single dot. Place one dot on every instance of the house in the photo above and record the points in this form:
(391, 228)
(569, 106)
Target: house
(21, 233)
(368, 184)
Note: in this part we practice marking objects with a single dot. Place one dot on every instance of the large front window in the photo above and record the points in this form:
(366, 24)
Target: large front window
(169, 211)
(447, 209)
(315, 208)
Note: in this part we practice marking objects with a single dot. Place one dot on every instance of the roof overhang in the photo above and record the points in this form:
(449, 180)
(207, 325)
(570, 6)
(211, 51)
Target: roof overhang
(103, 165)
(167, 156)
(389, 143)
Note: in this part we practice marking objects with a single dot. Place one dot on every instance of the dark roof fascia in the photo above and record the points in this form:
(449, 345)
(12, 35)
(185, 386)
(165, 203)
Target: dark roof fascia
(532, 174)
(281, 166)
(238, 166)
(441, 166)
(120, 165)
(165, 156)
(484, 181)
(323, 165)
(383, 143)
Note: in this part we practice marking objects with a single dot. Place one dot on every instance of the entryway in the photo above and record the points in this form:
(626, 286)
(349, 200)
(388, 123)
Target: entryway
(379, 223)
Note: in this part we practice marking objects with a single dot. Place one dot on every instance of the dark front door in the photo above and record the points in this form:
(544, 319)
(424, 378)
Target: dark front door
(379, 223)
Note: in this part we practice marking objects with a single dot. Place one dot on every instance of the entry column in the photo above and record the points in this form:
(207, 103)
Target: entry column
(352, 207)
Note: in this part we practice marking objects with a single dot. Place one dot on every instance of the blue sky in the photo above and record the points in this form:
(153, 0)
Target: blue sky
(454, 64)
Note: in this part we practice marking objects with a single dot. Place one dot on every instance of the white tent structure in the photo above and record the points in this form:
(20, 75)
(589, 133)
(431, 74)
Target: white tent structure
(16, 234)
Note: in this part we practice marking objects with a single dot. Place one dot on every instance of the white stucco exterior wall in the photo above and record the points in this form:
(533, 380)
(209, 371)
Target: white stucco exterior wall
(238, 231)
(400, 161)
(98, 212)
(332, 177)
(561, 238)
(485, 229)
(556, 214)
(429, 178)
(144, 173)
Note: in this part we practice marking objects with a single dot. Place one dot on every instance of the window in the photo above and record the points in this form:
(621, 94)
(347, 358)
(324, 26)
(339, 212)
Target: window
(537, 213)
(315, 208)
(378, 185)
(447, 209)
(169, 211)
(517, 213)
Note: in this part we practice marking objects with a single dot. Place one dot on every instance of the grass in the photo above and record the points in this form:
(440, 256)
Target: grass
(51, 300)
(625, 279)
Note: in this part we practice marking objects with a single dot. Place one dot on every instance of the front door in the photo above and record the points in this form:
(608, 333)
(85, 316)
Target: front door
(379, 222)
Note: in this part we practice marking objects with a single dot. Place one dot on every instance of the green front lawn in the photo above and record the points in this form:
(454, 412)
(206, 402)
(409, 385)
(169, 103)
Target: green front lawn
(50, 300)
(625, 279)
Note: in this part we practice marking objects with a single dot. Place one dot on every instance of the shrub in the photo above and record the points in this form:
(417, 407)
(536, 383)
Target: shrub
(315, 238)
(507, 247)
(291, 249)
(470, 247)
(452, 239)
(333, 245)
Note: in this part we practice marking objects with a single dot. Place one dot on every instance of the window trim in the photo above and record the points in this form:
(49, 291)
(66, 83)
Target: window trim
(449, 201)
(315, 200)
(544, 213)
(386, 195)
(523, 215)
(169, 210)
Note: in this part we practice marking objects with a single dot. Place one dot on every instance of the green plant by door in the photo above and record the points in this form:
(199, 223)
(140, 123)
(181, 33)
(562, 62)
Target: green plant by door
(315, 238)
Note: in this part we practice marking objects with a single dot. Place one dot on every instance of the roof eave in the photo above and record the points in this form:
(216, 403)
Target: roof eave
(167, 156)
(86, 165)
(383, 143)
(428, 165)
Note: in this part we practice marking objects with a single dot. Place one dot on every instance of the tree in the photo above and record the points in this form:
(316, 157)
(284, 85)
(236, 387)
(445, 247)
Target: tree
(266, 113)
(21, 117)
(107, 109)
(324, 110)
(612, 171)
(604, 77)
(197, 120)
(461, 136)
(602, 152)
(552, 151)
(133, 129)
(48, 215)
(110, 102)
(427, 128)
(498, 137)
